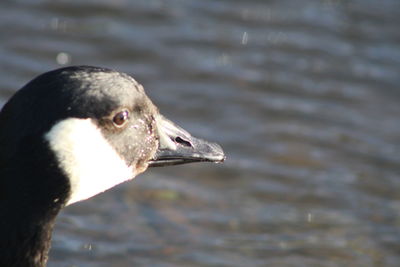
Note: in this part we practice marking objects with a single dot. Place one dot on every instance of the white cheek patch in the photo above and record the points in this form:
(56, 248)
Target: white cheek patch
(85, 156)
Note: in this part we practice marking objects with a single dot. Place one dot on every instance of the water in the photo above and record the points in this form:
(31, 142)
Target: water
(303, 96)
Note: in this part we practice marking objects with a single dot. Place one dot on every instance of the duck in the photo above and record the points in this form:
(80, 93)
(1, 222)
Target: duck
(70, 134)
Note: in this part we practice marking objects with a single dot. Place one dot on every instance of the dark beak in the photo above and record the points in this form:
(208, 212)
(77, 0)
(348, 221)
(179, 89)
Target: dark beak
(178, 147)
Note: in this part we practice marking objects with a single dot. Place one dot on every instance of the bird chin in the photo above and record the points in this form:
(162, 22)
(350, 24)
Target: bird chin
(140, 167)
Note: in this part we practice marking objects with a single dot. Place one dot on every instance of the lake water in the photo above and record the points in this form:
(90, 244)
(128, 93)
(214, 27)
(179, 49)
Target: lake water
(302, 95)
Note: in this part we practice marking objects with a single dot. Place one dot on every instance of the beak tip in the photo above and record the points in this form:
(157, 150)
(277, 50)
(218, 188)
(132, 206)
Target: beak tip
(219, 155)
(222, 159)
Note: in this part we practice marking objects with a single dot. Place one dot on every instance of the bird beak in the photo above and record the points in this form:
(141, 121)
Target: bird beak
(177, 146)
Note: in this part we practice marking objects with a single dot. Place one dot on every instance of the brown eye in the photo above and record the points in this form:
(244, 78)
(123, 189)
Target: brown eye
(121, 118)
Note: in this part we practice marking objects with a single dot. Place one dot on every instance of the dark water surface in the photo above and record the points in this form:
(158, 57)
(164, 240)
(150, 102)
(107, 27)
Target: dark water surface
(303, 96)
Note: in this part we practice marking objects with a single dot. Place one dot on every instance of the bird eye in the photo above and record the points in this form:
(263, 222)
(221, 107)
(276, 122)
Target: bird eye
(121, 118)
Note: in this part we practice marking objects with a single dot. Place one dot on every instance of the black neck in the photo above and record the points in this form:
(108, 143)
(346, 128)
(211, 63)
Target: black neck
(32, 192)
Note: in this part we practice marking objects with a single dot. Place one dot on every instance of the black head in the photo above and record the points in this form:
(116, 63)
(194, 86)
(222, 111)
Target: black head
(98, 124)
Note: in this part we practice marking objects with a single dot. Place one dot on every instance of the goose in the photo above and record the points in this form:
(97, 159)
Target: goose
(70, 134)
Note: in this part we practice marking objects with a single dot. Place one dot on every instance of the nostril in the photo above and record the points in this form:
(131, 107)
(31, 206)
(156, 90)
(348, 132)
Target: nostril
(179, 140)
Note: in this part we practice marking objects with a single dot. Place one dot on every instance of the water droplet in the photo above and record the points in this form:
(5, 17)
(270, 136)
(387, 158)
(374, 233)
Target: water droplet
(63, 58)
(245, 38)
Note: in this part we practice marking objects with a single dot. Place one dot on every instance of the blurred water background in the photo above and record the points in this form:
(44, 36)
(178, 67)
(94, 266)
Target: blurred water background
(303, 96)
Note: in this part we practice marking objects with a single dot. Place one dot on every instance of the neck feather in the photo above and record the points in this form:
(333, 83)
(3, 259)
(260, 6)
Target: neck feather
(32, 192)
